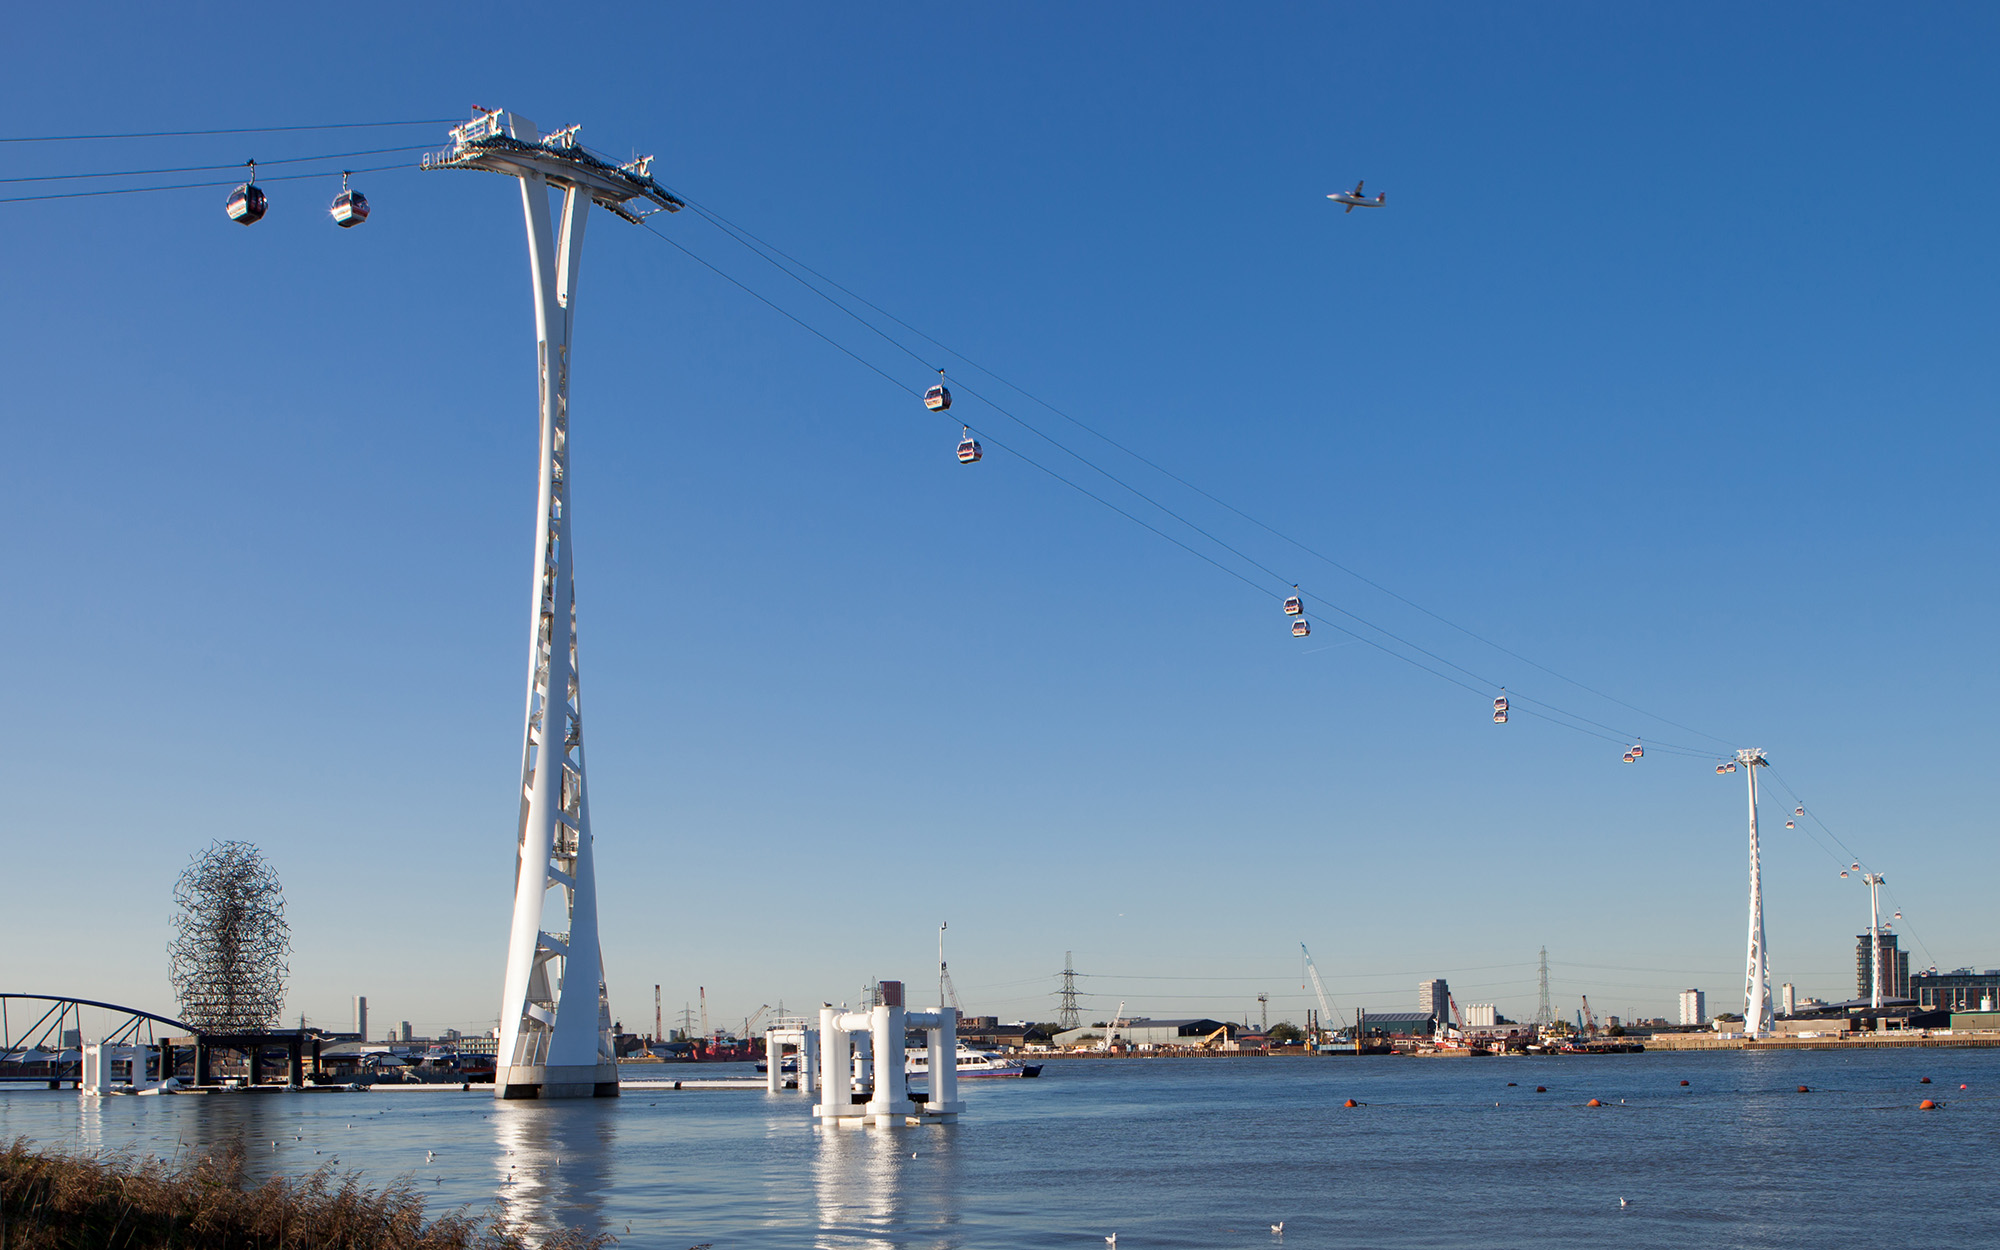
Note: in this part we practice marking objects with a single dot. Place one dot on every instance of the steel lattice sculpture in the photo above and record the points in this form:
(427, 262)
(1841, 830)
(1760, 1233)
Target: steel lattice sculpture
(231, 946)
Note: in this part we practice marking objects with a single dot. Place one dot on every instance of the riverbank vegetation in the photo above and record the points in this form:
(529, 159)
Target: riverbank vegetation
(61, 1200)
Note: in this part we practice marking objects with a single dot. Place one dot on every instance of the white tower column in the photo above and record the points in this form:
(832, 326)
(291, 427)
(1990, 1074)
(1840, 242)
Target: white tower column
(555, 1018)
(1757, 978)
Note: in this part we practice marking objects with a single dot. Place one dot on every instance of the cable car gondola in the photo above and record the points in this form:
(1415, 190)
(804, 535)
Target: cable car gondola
(1843, 874)
(350, 208)
(938, 398)
(1629, 757)
(1798, 811)
(1790, 825)
(1300, 628)
(1500, 710)
(1293, 606)
(968, 449)
(1638, 752)
(247, 203)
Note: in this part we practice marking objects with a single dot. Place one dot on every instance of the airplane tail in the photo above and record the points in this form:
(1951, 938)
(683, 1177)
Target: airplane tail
(1381, 197)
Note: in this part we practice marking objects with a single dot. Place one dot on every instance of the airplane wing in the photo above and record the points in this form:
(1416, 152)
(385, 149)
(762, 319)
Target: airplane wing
(1350, 208)
(1357, 189)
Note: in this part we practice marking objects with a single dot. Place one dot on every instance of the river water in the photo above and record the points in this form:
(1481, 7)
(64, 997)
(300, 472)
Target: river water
(1192, 1153)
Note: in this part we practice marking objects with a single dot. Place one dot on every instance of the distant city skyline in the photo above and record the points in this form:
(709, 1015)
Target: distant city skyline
(1663, 368)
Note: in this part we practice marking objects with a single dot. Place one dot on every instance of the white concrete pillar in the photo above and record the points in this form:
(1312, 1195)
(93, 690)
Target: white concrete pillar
(92, 1078)
(944, 1084)
(808, 1062)
(774, 1062)
(936, 1059)
(833, 1050)
(890, 1100)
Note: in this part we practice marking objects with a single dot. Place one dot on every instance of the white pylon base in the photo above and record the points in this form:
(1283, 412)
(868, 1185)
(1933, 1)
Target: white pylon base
(560, 1081)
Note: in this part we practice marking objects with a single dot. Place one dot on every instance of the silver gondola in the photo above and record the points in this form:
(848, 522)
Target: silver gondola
(247, 203)
(1293, 605)
(350, 208)
(1500, 710)
(969, 450)
(938, 398)
(1300, 628)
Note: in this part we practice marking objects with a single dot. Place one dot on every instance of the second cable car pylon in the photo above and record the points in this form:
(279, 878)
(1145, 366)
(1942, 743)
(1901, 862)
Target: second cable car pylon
(555, 1017)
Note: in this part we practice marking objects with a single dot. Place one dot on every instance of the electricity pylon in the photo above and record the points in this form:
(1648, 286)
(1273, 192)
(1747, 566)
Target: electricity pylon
(1067, 1015)
(555, 1017)
(1545, 1014)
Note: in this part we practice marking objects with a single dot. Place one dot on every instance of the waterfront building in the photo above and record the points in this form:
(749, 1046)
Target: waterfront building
(1144, 1031)
(1787, 999)
(1434, 999)
(1961, 989)
(1895, 968)
(1694, 1007)
(361, 1016)
(1401, 1023)
(1481, 1016)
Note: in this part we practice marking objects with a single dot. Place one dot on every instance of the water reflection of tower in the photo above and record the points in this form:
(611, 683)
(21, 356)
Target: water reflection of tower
(553, 1163)
(878, 1190)
(1067, 1015)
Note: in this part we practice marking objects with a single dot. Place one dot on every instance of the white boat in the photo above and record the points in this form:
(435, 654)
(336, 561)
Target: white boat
(972, 1064)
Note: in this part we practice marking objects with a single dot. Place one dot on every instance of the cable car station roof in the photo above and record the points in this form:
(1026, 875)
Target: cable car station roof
(505, 143)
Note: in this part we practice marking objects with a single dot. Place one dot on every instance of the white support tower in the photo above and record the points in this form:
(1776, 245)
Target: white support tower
(553, 1043)
(1757, 977)
(1875, 882)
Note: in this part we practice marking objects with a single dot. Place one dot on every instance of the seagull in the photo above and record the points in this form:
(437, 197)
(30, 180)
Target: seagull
(1278, 1229)
(430, 1155)
(1624, 1202)
(1112, 1240)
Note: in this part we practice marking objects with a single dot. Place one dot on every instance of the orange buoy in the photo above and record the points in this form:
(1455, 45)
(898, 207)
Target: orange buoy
(1541, 1089)
(1511, 1084)
(1593, 1103)
(1804, 1090)
(1924, 1081)
(1927, 1105)
(1964, 1087)
(1683, 1082)
(1349, 1103)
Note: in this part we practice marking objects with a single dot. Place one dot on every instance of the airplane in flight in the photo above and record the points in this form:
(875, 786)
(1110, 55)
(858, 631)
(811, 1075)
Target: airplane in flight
(1354, 200)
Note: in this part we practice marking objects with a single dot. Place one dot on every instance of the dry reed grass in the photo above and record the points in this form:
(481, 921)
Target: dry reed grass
(59, 1200)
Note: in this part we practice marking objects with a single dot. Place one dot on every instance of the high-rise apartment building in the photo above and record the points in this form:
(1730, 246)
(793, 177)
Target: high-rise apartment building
(1694, 1007)
(361, 1016)
(1434, 998)
(1895, 968)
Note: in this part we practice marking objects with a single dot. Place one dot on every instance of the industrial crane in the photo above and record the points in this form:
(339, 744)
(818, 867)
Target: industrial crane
(1111, 1030)
(1319, 989)
(750, 1023)
(1589, 1021)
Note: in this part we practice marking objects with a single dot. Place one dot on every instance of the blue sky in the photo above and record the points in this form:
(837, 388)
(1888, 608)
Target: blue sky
(1668, 366)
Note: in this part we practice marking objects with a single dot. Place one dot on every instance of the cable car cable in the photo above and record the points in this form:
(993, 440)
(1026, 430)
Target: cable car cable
(745, 237)
(191, 186)
(1612, 733)
(240, 130)
(194, 169)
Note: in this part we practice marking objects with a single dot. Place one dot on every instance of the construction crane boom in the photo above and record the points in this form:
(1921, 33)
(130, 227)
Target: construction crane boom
(1319, 989)
(1589, 1021)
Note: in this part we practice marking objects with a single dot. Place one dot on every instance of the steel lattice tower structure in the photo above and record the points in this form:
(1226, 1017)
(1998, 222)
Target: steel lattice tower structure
(1067, 1015)
(1544, 1014)
(1757, 977)
(555, 1018)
